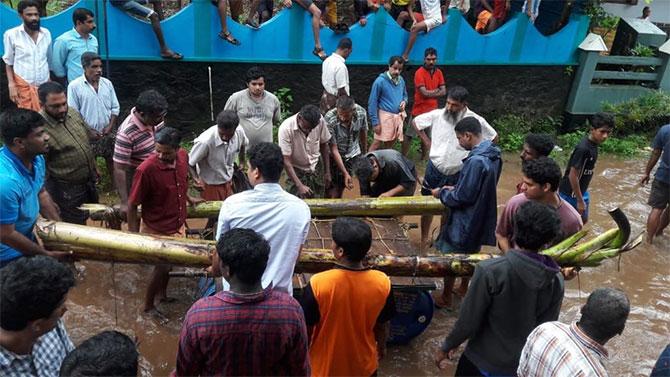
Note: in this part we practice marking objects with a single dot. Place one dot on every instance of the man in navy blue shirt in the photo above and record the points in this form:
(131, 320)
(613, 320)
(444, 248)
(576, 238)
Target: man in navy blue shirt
(22, 193)
(659, 198)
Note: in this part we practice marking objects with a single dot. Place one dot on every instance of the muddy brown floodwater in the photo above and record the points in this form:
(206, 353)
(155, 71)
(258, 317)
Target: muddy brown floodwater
(110, 296)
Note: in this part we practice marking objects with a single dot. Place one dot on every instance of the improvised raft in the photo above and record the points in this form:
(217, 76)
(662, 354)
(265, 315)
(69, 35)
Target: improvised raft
(101, 244)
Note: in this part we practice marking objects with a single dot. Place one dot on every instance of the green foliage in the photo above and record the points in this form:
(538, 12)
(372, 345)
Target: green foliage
(105, 184)
(600, 18)
(642, 51)
(285, 100)
(642, 115)
(512, 129)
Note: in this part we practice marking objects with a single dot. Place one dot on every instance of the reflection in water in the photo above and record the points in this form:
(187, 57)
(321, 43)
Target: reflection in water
(111, 296)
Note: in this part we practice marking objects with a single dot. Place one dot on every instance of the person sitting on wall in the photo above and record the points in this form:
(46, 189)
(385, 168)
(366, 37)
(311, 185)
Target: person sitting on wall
(222, 10)
(431, 12)
(109, 353)
(316, 24)
(362, 8)
(646, 13)
(385, 173)
(491, 14)
(136, 7)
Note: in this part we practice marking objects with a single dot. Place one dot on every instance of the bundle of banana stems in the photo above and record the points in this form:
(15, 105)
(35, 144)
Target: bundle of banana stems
(370, 207)
(116, 246)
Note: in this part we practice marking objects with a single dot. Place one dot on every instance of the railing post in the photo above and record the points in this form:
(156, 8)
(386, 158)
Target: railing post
(663, 80)
(589, 50)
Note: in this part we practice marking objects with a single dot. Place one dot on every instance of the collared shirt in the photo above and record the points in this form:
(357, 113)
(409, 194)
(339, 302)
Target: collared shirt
(304, 150)
(29, 59)
(19, 198)
(134, 141)
(70, 158)
(95, 106)
(230, 334)
(334, 74)
(162, 191)
(214, 157)
(44, 360)
(67, 51)
(256, 115)
(445, 152)
(347, 138)
(555, 349)
(280, 217)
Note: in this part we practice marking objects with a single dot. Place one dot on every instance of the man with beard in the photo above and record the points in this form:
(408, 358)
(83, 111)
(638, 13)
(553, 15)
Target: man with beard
(69, 46)
(27, 50)
(71, 168)
(446, 155)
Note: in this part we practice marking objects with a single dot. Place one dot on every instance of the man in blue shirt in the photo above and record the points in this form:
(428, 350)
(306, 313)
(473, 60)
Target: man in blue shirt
(386, 105)
(659, 198)
(69, 46)
(22, 192)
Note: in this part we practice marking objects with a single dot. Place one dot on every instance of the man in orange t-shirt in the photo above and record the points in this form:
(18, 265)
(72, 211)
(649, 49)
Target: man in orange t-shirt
(347, 308)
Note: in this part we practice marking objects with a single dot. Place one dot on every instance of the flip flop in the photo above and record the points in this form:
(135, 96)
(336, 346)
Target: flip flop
(229, 38)
(173, 56)
(319, 53)
(253, 24)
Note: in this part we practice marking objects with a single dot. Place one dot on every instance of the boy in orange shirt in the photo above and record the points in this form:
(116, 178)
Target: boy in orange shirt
(347, 308)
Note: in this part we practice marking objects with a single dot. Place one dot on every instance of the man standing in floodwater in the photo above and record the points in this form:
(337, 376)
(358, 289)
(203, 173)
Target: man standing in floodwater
(659, 198)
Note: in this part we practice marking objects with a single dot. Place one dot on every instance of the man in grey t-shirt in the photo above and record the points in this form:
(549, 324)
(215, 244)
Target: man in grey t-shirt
(257, 108)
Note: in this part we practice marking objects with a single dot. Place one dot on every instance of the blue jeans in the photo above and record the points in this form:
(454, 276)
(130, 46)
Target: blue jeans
(573, 203)
(434, 179)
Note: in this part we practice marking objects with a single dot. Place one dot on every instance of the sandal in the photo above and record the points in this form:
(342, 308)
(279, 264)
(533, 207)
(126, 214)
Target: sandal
(319, 53)
(229, 38)
(172, 56)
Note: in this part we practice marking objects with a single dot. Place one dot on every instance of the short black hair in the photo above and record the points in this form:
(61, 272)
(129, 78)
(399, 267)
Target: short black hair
(345, 102)
(311, 115)
(23, 4)
(81, 14)
(88, 58)
(245, 252)
(151, 102)
(458, 93)
(227, 120)
(468, 124)
(168, 136)
(396, 59)
(362, 168)
(254, 73)
(19, 123)
(49, 87)
(429, 51)
(605, 313)
(535, 225)
(268, 159)
(602, 120)
(543, 144)
(543, 170)
(345, 44)
(353, 236)
(109, 353)
(31, 288)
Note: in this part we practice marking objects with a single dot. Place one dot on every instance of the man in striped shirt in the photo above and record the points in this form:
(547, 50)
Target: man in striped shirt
(135, 140)
(559, 350)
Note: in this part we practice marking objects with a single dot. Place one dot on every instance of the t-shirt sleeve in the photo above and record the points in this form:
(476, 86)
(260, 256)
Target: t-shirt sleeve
(440, 78)
(138, 189)
(488, 132)
(424, 121)
(419, 80)
(388, 311)
(661, 138)
(504, 226)
(231, 103)
(123, 147)
(310, 306)
(9, 197)
(276, 116)
(578, 157)
(8, 57)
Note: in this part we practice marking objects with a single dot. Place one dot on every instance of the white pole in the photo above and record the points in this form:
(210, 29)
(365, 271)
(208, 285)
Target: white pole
(211, 98)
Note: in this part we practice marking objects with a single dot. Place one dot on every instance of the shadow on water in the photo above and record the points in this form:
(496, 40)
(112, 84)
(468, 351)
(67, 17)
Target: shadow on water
(111, 296)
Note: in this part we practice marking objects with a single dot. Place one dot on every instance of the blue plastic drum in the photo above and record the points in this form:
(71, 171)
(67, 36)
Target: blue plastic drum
(414, 311)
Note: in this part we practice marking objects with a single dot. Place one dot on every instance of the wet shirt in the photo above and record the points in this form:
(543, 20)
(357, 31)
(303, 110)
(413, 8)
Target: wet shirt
(19, 197)
(347, 138)
(256, 116)
(662, 142)
(430, 81)
(394, 170)
(231, 334)
(583, 159)
(67, 51)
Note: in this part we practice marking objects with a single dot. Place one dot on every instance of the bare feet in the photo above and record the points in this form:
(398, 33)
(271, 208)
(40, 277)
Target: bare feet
(156, 315)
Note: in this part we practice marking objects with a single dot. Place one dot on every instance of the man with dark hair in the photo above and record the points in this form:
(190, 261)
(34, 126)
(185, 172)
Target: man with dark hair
(659, 197)
(304, 138)
(646, 13)
(22, 192)
(385, 173)
(69, 46)
(335, 76)
(94, 97)
(71, 168)
(575, 183)
(27, 54)
(386, 105)
(347, 308)
(248, 330)
(257, 108)
(33, 295)
(509, 297)
(536, 146)
(154, 16)
(429, 85)
(161, 187)
(431, 11)
(279, 216)
(540, 180)
(211, 160)
(109, 353)
(348, 125)
(135, 140)
(582, 343)
(446, 155)
(472, 201)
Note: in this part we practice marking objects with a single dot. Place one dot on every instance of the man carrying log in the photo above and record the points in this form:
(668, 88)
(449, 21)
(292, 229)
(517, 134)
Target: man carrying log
(385, 173)
(161, 187)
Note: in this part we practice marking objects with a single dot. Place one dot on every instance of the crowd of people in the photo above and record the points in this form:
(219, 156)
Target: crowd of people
(67, 116)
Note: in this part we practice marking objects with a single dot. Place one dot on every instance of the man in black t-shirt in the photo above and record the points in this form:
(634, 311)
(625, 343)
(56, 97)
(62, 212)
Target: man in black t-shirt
(575, 183)
(385, 173)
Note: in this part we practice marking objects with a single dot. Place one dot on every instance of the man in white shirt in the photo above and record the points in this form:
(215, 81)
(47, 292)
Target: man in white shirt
(280, 217)
(27, 56)
(335, 76)
(446, 154)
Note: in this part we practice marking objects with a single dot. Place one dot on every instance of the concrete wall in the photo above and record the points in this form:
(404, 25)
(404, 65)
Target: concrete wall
(660, 10)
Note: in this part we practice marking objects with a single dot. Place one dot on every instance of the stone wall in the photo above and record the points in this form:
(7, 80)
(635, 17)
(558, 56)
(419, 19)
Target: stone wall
(534, 91)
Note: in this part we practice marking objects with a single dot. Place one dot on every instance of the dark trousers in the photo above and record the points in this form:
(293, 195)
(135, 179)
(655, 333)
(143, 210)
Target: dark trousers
(69, 196)
(466, 368)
